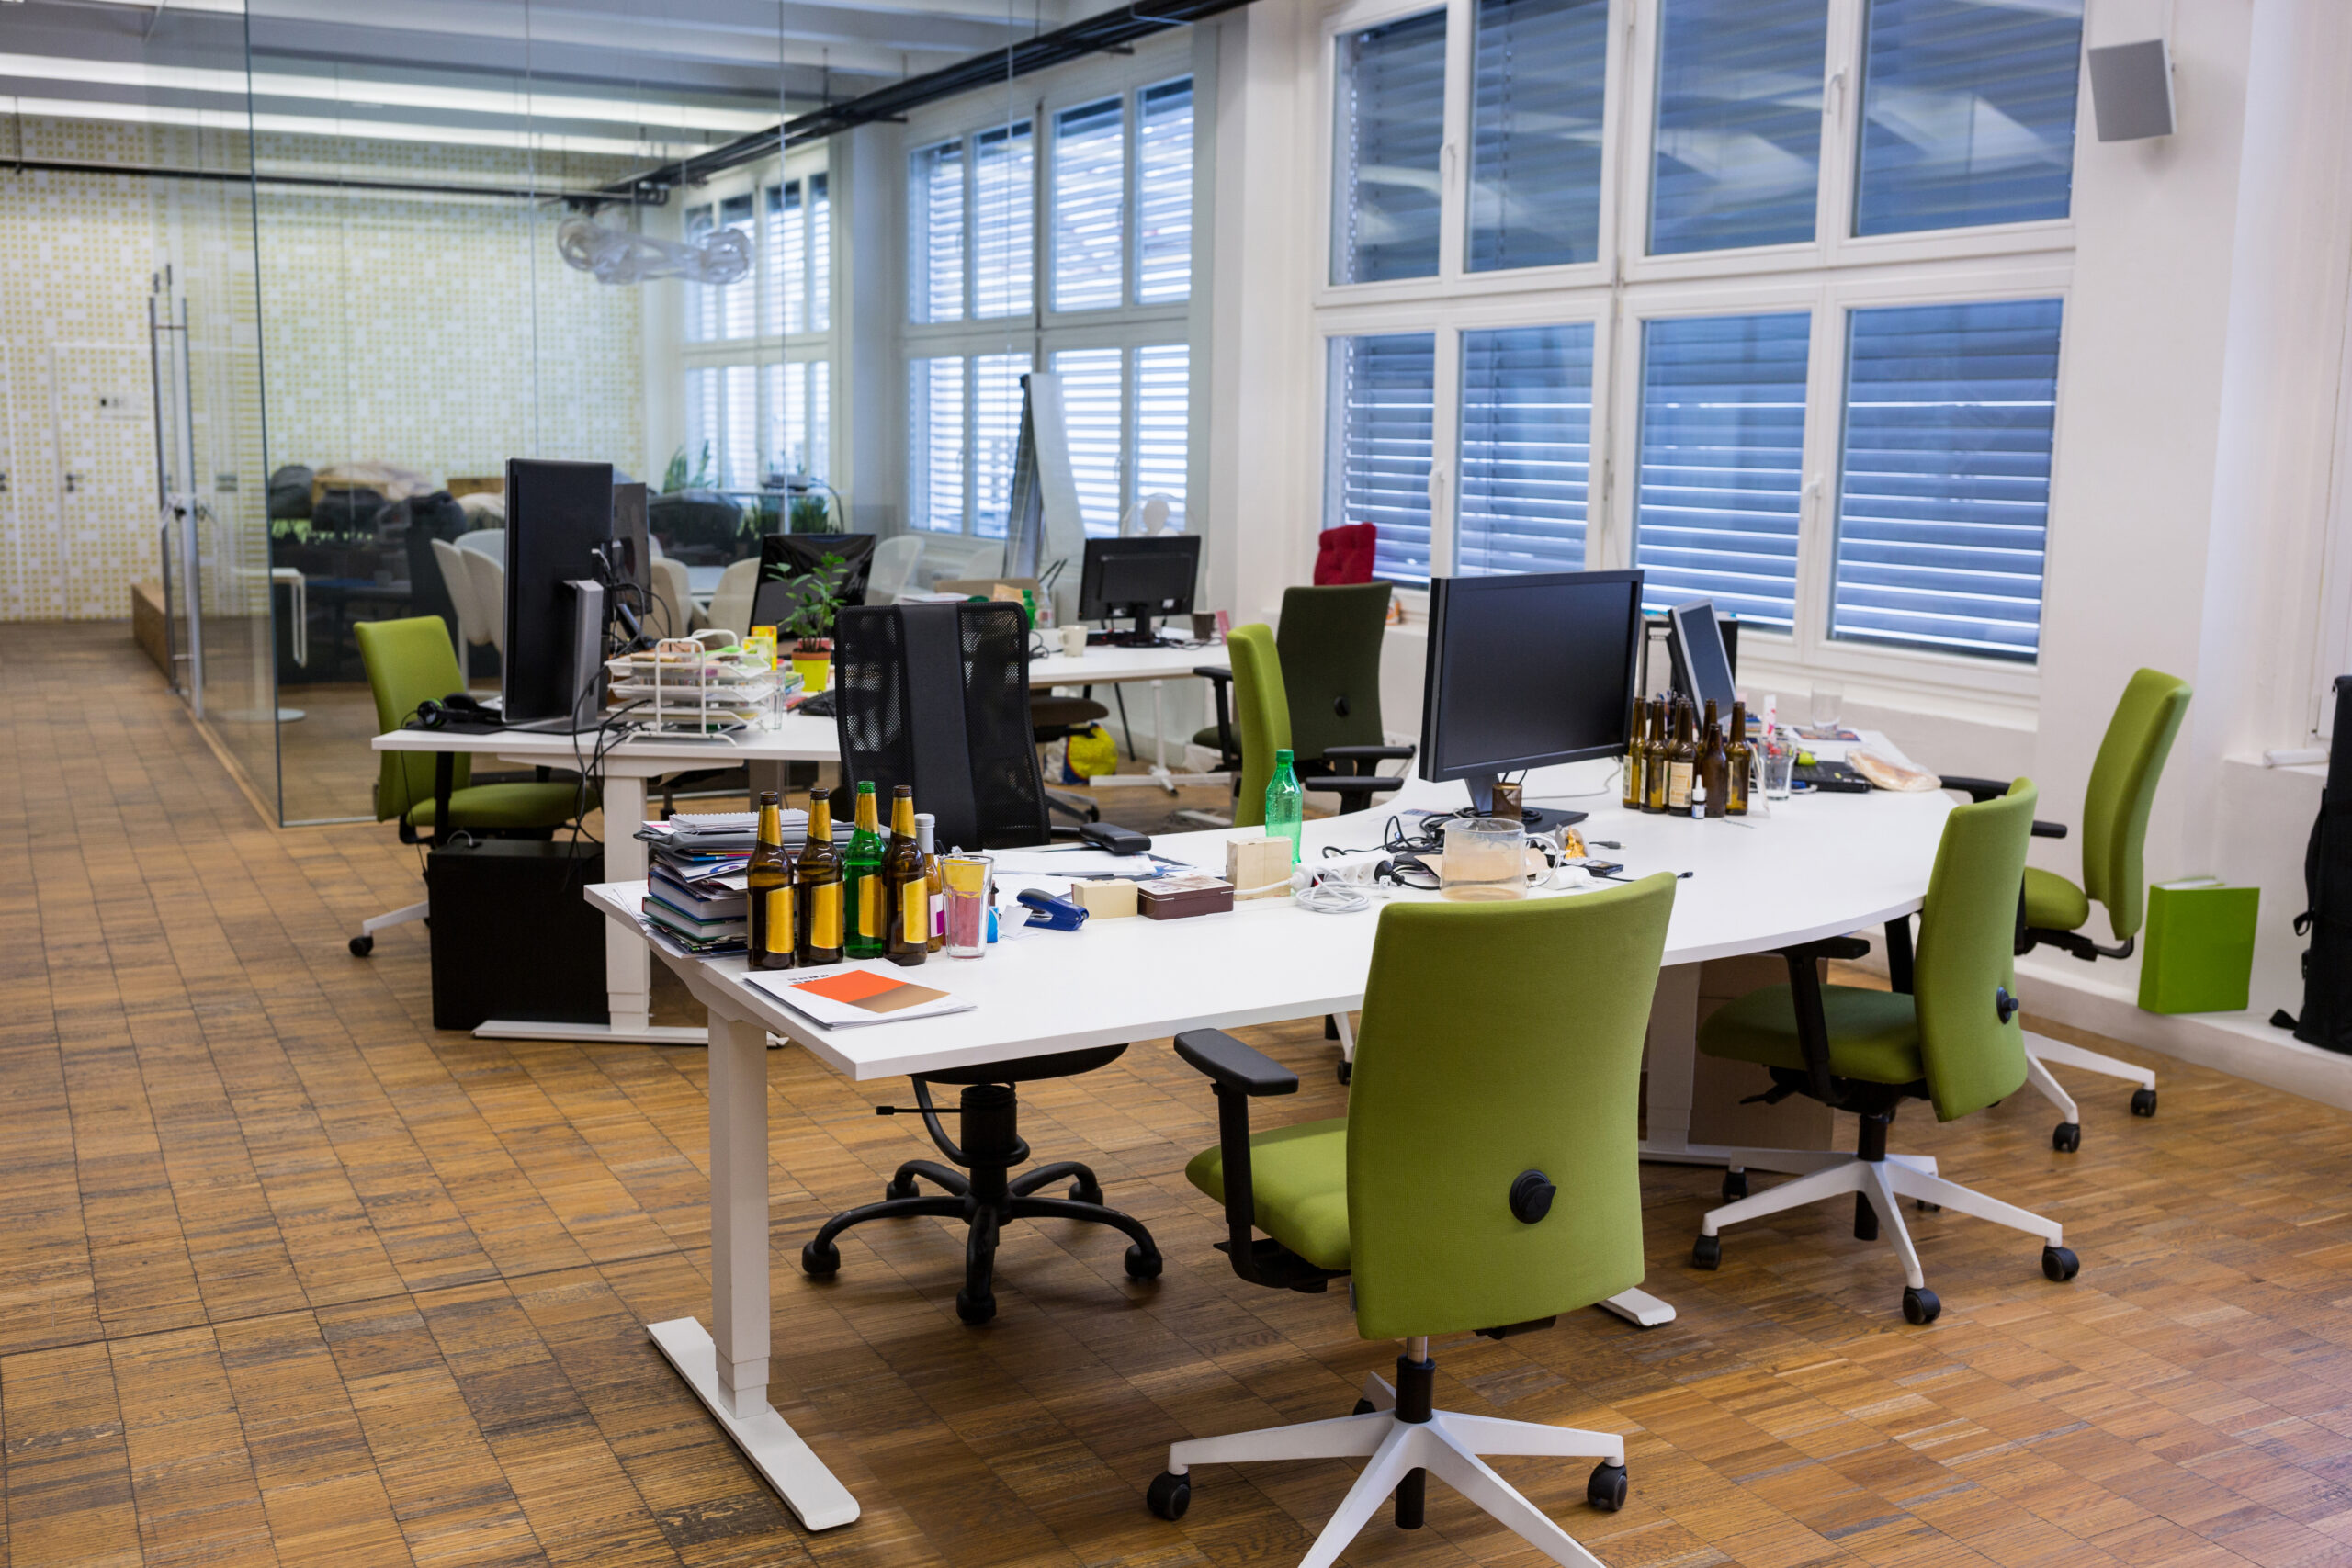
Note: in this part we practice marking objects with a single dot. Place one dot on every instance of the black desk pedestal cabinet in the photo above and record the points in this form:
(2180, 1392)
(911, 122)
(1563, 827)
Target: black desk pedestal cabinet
(513, 934)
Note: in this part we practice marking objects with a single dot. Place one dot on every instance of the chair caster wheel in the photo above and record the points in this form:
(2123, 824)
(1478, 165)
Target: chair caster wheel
(1086, 1192)
(2059, 1264)
(1926, 1208)
(1920, 1306)
(1707, 1252)
(820, 1263)
(361, 946)
(1142, 1265)
(973, 1311)
(896, 1188)
(1363, 1407)
(1605, 1489)
(2143, 1103)
(1734, 1186)
(1347, 1071)
(2066, 1137)
(1169, 1495)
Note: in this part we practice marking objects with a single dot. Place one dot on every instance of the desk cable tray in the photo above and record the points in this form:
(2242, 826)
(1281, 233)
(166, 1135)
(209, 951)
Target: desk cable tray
(688, 690)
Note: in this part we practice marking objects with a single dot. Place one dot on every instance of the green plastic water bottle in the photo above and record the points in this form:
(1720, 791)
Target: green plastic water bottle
(1286, 805)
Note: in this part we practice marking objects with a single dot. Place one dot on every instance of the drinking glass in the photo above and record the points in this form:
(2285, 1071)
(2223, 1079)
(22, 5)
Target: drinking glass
(1779, 762)
(968, 904)
(1485, 858)
(1828, 703)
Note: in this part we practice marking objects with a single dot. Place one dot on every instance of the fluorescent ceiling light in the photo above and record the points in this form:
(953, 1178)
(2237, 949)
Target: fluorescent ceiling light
(236, 120)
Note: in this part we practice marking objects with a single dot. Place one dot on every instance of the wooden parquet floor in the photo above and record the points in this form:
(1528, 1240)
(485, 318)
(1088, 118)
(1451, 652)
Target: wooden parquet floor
(286, 1276)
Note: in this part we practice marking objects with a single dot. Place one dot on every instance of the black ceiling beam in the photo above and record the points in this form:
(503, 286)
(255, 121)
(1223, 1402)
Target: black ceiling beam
(1095, 35)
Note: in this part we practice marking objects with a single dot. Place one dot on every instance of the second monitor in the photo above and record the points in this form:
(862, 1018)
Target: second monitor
(1138, 577)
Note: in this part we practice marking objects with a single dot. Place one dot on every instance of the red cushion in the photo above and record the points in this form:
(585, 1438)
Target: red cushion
(1344, 554)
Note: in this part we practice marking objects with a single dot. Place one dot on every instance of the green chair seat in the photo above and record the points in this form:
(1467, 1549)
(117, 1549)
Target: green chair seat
(1874, 1035)
(505, 806)
(1206, 737)
(1298, 1179)
(2052, 903)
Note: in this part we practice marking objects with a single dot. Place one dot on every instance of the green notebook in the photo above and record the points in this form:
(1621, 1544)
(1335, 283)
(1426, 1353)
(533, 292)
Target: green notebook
(2199, 955)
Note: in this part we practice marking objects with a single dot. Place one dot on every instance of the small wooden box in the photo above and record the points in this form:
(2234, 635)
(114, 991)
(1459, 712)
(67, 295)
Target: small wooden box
(1104, 900)
(1257, 863)
(1174, 898)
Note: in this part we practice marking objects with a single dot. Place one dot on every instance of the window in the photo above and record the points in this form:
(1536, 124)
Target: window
(1128, 414)
(1944, 487)
(1535, 127)
(1094, 413)
(799, 414)
(798, 261)
(1383, 403)
(1163, 384)
(1164, 193)
(1968, 113)
(961, 406)
(937, 436)
(716, 312)
(936, 231)
(1526, 449)
(1723, 462)
(1737, 150)
(1391, 125)
(1002, 219)
(723, 417)
(1090, 205)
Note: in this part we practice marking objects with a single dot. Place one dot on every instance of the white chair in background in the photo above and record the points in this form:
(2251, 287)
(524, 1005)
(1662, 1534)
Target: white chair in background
(473, 627)
(674, 611)
(730, 601)
(896, 561)
(490, 542)
(490, 594)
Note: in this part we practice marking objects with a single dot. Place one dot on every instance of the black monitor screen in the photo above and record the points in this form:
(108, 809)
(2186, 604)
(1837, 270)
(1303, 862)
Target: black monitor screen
(1145, 576)
(1528, 672)
(784, 557)
(1702, 663)
(557, 513)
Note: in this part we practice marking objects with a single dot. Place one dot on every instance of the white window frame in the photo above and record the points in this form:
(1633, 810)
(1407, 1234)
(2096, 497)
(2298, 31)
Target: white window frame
(1835, 273)
(1042, 332)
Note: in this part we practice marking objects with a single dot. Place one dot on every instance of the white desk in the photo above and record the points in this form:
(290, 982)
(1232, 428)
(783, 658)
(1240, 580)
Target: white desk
(629, 764)
(1820, 867)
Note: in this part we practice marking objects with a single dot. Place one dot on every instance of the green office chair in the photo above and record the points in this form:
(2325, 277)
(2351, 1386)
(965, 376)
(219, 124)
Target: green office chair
(2055, 910)
(1485, 1178)
(1262, 709)
(1328, 650)
(1953, 1040)
(410, 662)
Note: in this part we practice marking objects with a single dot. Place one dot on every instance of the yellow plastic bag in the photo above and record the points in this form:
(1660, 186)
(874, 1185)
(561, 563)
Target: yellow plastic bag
(1091, 753)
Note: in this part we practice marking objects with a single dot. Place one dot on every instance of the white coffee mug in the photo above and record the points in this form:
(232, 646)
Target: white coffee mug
(1073, 641)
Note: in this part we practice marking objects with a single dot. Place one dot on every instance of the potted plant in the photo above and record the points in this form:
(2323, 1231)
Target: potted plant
(818, 597)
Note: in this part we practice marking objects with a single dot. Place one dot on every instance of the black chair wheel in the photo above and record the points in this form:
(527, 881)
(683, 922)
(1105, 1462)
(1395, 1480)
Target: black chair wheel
(1363, 1407)
(2143, 1103)
(1605, 1489)
(2059, 1264)
(1142, 1265)
(1926, 1208)
(899, 1187)
(1169, 1495)
(1734, 1186)
(974, 1310)
(1920, 1305)
(1348, 1072)
(1086, 1192)
(2066, 1137)
(361, 946)
(1707, 1252)
(820, 1262)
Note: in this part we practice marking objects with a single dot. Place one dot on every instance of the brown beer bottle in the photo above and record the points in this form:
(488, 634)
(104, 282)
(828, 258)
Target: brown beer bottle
(909, 881)
(1714, 764)
(818, 885)
(1636, 757)
(1659, 757)
(767, 885)
(1742, 774)
(1684, 766)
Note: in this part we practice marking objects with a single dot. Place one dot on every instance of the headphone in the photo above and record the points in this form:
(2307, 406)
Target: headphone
(431, 714)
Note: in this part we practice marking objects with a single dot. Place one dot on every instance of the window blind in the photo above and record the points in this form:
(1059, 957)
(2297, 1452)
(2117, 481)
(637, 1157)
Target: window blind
(736, 305)
(1535, 120)
(700, 300)
(1003, 174)
(1968, 113)
(786, 259)
(1737, 150)
(1391, 122)
(936, 443)
(723, 411)
(1090, 200)
(935, 233)
(996, 435)
(1164, 193)
(1163, 423)
(1721, 471)
(1382, 393)
(1094, 407)
(1944, 489)
(799, 394)
(1526, 449)
(820, 417)
(820, 254)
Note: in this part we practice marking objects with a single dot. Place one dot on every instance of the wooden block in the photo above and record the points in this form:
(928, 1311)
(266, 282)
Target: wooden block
(1258, 863)
(1104, 900)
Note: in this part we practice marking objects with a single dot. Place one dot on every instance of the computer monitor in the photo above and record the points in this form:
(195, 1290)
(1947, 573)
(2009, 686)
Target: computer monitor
(783, 556)
(1701, 662)
(1139, 578)
(557, 513)
(1528, 672)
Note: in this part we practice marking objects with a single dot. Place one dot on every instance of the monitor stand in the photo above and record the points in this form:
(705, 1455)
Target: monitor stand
(1139, 636)
(1535, 820)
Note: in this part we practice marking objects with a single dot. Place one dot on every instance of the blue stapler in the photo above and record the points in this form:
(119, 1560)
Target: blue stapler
(1054, 914)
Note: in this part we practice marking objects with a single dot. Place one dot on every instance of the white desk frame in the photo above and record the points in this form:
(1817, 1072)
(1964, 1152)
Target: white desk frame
(1823, 867)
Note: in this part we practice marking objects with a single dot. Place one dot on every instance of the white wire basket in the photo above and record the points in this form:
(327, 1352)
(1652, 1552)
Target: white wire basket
(681, 687)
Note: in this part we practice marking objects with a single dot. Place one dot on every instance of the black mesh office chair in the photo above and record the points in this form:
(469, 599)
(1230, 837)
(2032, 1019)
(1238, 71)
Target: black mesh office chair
(936, 697)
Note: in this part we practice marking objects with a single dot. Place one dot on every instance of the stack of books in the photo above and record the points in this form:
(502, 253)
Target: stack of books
(694, 898)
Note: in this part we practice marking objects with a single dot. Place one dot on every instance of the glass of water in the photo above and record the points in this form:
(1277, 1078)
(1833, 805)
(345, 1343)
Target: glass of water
(1828, 706)
(1486, 857)
(1779, 763)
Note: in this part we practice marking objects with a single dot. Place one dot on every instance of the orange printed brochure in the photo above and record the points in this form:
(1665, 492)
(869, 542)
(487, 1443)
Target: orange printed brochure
(875, 993)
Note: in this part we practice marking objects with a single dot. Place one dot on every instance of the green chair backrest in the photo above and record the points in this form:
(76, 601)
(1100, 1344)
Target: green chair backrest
(2124, 786)
(407, 662)
(1967, 954)
(1500, 1038)
(1329, 643)
(1261, 714)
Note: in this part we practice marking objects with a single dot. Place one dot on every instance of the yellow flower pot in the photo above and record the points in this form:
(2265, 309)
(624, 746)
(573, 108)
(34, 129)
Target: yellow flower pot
(814, 669)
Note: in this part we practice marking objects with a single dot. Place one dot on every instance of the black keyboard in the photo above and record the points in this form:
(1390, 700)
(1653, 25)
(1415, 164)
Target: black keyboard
(1833, 778)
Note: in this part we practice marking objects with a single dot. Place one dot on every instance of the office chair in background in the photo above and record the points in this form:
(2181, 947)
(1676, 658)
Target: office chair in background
(936, 697)
(1328, 655)
(1953, 1040)
(408, 662)
(1485, 1178)
(2053, 910)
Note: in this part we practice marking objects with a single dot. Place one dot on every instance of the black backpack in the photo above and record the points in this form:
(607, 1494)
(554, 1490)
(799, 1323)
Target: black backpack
(2327, 890)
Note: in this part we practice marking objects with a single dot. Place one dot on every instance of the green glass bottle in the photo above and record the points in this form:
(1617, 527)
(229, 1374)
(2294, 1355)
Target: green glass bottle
(1286, 805)
(868, 909)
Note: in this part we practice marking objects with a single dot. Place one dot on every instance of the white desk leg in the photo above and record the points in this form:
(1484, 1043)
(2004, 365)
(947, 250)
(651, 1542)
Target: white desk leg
(1670, 1055)
(1159, 731)
(728, 1367)
(628, 967)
